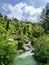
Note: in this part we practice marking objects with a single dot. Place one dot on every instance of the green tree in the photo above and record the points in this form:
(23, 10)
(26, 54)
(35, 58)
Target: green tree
(1, 15)
(24, 30)
(45, 18)
(42, 49)
(7, 26)
(37, 31)
(7, 51)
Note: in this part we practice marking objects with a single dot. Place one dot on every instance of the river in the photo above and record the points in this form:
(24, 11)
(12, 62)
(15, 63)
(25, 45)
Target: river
(25, 59)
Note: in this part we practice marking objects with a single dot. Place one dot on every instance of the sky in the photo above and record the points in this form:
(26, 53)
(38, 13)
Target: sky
(26, 10)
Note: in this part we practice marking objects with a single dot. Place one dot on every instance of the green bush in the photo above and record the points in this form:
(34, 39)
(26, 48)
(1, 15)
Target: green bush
(42, 49)
(7, 52)
(38, 31)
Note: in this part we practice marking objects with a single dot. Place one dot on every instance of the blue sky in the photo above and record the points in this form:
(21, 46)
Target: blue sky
(22, 9)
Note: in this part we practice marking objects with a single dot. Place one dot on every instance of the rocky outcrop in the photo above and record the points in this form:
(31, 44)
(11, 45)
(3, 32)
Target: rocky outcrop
(26, 48)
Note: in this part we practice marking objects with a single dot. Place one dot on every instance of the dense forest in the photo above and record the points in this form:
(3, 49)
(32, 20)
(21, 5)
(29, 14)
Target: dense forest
(14, 34)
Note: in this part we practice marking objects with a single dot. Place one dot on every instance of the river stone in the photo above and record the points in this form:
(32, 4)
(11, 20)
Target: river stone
(26, 48)
(10, 39)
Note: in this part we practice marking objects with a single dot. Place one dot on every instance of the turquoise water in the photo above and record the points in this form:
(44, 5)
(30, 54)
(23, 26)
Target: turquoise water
(25, 59)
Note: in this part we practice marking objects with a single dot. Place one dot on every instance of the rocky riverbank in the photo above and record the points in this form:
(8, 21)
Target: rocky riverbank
(25, 48)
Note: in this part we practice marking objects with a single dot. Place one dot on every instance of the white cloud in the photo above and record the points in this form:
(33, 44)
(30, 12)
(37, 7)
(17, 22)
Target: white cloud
(32, 13)
(22, 11)
(7, 7)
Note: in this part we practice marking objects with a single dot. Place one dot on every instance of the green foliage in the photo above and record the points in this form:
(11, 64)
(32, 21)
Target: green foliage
(25, 29)
(7, 51)
(7, 26)
(47, 63)
(21, 33)
(42, 49)
(1, 15)
(38, 31)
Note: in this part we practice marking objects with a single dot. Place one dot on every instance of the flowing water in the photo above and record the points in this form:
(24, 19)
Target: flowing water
(25, 59)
